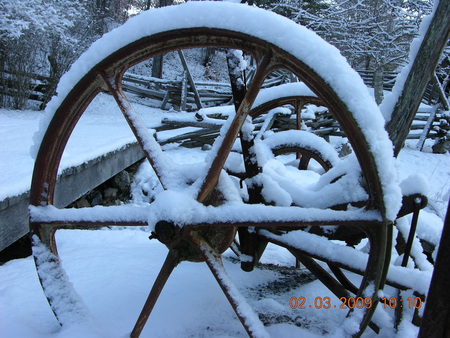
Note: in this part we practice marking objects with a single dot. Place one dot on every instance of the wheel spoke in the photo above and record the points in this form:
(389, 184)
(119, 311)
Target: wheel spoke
(268, 216)
(245, 313)
(90, 217)
(304, 161)
(64, 301)
(210, 181)
(169, 264)
(147, 141)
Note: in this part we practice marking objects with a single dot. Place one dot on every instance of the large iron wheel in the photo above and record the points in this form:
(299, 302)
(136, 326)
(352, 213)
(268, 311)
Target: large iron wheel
(207, 236)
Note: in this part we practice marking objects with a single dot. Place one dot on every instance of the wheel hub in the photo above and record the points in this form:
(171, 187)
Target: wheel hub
(177, 239)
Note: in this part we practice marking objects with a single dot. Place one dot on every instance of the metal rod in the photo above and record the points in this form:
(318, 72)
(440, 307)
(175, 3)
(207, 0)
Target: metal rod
(244, 108)
(245, 313)
(406, 254)
(169, 264)
(412, 233)
(144, 137)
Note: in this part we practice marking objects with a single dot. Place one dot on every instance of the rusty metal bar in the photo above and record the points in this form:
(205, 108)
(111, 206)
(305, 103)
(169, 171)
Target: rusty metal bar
(342, 278)
(145, 138)
(334, 286)
(280, 225)
(212, 176)
(169, 264)
(246, 315)
(281, 101)
(415, 204)
(92, 225)
(412, 233)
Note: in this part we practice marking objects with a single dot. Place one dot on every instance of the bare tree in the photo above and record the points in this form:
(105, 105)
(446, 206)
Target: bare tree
(158, 61)
(45, 37)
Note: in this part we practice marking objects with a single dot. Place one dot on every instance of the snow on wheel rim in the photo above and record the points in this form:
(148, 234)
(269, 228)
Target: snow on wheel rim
(197, 24)
(298, 41)
(306, 140)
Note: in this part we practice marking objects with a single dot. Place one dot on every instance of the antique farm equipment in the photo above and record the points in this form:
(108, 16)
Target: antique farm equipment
(208, 220)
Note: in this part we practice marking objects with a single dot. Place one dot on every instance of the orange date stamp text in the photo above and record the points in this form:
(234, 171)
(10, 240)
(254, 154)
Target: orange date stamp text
(354, 302)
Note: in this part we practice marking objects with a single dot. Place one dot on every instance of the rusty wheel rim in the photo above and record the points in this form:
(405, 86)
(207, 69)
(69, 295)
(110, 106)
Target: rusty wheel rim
(305, 152)
(107, 75)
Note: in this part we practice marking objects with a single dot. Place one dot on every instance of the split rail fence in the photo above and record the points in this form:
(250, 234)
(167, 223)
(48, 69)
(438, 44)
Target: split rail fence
(187, 95)
(180, 95)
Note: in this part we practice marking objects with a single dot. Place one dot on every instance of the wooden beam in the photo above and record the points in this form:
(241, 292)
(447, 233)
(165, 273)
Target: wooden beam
(198, 101)
(71, 184)
(436, 318)
(420, 74)
(427, 128)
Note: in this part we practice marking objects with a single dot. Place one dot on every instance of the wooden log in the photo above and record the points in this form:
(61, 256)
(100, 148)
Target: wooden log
(183, 95)
(199, 124)
(198, 100)
(427, 129)
(143, 91)
(436, 317)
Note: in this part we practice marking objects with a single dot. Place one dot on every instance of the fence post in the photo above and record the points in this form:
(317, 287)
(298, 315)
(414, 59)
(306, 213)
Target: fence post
(198, 101)
(436, 318)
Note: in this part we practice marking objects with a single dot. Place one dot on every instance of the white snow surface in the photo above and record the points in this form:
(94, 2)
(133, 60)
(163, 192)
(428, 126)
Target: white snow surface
(303, 139)
(289, 36)
(112, 270)
(284, 90)
(101, 129)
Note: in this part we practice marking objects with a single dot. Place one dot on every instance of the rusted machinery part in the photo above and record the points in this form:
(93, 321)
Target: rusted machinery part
(107, 75)
(304, 153)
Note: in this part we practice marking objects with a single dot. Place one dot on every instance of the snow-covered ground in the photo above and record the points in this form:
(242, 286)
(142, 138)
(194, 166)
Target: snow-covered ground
(101, 129)
(113, 270)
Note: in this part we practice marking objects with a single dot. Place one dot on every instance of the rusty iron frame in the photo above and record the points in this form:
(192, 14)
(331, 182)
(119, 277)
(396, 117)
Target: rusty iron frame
(298, 102)
(107, 76)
